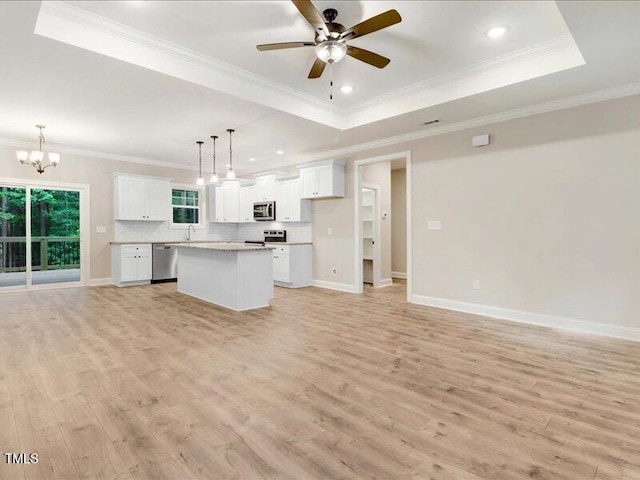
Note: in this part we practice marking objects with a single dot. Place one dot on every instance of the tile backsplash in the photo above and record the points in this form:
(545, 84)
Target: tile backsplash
(132, 231)
(296, 232)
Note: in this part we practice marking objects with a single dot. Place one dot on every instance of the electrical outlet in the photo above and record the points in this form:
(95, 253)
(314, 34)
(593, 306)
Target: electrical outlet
(476, 284)
(101, 229)
(329, 231)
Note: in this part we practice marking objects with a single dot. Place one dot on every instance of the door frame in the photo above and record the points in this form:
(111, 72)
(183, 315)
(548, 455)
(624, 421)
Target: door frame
(85, 229)
(357, 184)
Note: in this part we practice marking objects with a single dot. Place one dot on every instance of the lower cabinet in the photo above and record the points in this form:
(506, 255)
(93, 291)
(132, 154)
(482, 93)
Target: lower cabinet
(131, 264)
(292, 266)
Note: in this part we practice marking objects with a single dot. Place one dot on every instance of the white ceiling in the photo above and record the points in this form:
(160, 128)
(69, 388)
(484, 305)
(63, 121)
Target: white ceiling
(98, 102)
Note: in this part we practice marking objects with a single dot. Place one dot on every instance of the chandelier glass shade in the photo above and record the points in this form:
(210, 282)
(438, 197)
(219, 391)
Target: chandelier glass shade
(36, 157)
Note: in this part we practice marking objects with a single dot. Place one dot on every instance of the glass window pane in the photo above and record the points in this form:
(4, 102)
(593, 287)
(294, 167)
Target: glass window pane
(185, 215)
(55, 236)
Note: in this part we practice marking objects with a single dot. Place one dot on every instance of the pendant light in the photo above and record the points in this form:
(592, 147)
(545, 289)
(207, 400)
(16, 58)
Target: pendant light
(230, 173)
(214, 176)
(200, 180)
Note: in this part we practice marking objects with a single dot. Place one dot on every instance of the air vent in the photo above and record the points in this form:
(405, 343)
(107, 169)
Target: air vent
(431, 122)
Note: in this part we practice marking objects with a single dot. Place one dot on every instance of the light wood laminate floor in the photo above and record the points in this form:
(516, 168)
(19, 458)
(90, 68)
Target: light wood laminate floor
(144, 382)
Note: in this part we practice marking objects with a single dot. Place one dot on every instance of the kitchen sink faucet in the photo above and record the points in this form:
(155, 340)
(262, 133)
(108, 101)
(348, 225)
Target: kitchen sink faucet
(189, 232)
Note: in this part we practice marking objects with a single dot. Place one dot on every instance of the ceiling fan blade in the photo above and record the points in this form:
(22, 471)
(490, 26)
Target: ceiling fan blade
(373, 24)
(280, 46)
(309, 12)
(317, 69)
(367, 57)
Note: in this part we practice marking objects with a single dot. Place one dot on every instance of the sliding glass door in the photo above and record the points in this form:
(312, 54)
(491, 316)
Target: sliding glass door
(55, 236)
(13, 237)
(39, 236)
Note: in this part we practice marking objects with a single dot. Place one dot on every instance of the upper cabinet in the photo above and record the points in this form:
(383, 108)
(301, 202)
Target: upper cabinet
(215, 206)
(231, 201)
(264, 189)
(223, 203)
(246, 203)
(290, 207)
(322, 179)
(140, 198)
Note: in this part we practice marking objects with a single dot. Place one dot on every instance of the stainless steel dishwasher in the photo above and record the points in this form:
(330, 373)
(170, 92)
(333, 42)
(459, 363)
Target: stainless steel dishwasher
(164, 263)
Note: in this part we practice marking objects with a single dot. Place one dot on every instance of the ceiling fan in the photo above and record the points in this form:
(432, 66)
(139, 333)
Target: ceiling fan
(331, 37)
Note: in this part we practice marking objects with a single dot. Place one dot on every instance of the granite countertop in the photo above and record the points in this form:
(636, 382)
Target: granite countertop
(167, 242)
(175, 242)
(289, 243)
(225, 246)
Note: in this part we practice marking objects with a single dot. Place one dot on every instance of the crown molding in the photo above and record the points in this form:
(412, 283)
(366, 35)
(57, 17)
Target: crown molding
(551, 56)
(75, 26)
(21, 144)
(527, 53)
(546, 107)
(561, 104)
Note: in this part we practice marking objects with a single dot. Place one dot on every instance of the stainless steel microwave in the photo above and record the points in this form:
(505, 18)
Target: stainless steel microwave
(264, 211)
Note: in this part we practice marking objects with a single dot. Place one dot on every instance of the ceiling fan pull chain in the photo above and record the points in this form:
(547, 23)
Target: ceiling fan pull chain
(331, 81)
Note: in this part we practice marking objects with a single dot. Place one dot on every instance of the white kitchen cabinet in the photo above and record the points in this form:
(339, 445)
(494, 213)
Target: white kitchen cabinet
(140, 198)
(215, 205)
(264, 189)
(292, 265)
(281, 266)
(290, 207)
(231, 201)
(322, 180)
(246, 203)
(131, 264)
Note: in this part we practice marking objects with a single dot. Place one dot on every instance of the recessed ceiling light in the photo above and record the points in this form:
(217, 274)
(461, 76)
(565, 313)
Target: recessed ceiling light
(346, 89)
(280, 152)
(252, 159)
(496, 32)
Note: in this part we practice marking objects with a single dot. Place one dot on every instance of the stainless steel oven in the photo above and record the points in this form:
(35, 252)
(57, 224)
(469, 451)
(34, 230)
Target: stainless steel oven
(264, 211)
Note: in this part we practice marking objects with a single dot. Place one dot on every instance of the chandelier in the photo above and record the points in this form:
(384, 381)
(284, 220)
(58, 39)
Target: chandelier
(36, 157)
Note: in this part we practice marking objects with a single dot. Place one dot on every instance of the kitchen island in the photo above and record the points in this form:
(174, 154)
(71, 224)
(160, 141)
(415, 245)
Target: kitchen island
(234, 275)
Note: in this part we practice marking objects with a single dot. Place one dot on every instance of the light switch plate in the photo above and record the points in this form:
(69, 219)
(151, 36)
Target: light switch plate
(434, 225)
(101, 229)
(329, 231)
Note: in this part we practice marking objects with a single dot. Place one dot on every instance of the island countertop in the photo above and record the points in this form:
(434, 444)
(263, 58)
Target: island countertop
(225, 246)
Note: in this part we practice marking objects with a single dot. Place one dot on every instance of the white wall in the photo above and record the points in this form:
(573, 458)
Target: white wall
(546, 217)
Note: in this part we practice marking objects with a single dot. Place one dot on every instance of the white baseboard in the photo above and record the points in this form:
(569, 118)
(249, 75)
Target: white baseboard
(399, 275)
(386, 282)
(342, 287)
(617, 331)
(96, 282)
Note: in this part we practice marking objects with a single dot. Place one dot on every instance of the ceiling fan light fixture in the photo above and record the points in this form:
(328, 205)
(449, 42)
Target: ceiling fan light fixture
(331, 51)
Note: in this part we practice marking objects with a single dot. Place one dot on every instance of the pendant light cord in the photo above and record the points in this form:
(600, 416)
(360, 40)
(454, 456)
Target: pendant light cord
(230, 130)
(200, 158)
(214, 138)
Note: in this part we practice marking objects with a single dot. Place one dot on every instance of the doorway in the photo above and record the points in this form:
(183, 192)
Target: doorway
(41, 236)
(363, 270)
